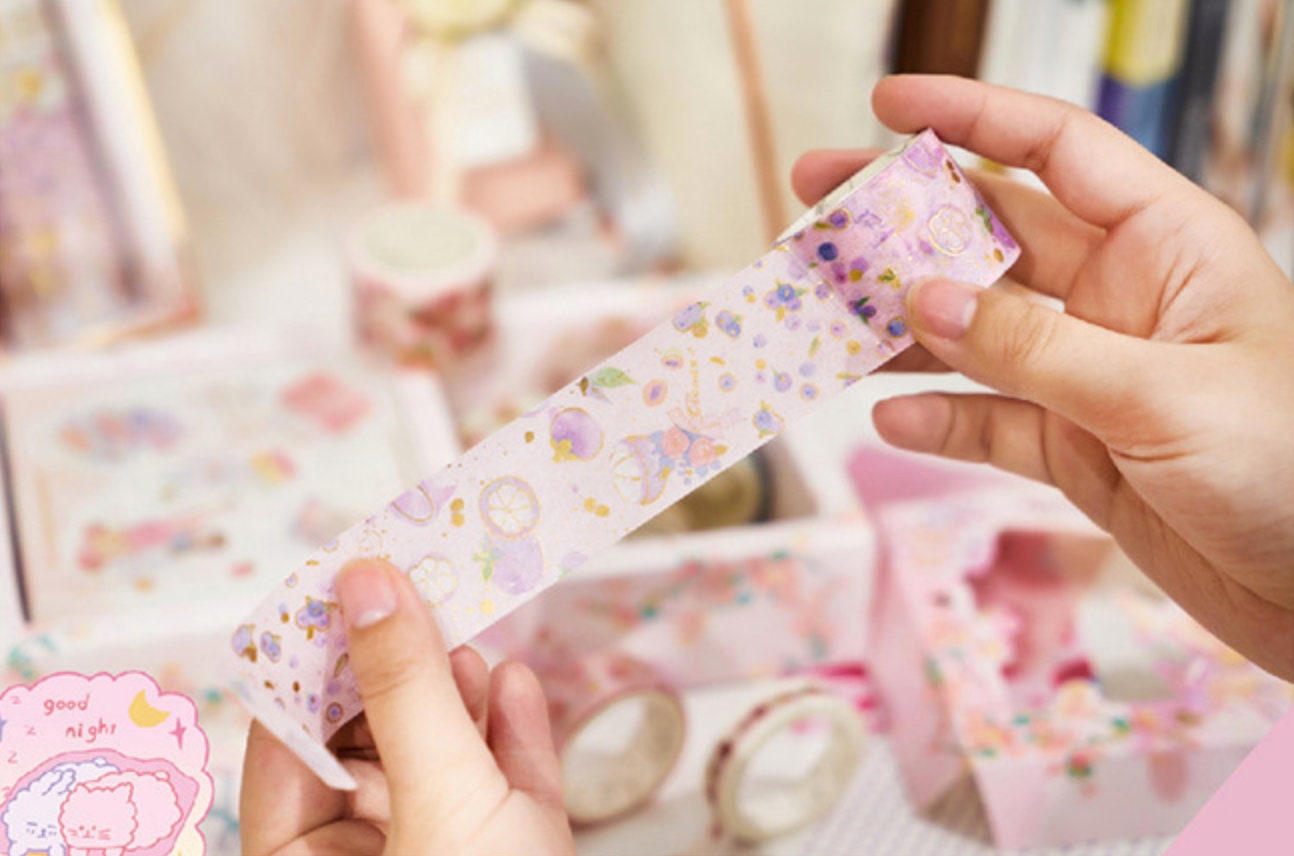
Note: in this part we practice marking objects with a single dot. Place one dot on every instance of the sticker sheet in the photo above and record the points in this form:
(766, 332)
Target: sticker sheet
(108, 764)
(532, 502)
(203, 477)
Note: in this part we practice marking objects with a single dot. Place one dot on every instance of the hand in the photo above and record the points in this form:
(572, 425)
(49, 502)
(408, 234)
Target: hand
(449, 758)
(1161, 401)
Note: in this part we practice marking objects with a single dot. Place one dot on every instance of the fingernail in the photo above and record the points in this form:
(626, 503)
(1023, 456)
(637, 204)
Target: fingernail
(366, 593)
(945, 308)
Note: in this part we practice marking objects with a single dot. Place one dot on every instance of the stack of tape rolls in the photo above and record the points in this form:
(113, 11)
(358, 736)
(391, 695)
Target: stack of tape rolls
(422, 275)
(619, 729)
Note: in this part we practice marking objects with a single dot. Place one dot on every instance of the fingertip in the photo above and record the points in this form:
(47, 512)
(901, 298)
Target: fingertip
(802, 172)
(366, 565)
(515, 686)
(889, 93)
(469, 664)
(367, 592)
(916, 423)
(816, 173)
(472, 676)
(941, 307)
(881, 91)
(520, 735)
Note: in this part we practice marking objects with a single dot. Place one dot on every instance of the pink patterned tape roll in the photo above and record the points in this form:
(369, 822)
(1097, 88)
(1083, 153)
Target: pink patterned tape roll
(534, 501)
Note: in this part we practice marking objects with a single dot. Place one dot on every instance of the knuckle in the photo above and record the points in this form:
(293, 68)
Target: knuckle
(387, 676)
(1025, 333)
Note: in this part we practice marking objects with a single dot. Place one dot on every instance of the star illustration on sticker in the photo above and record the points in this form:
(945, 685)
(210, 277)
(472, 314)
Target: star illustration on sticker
(178, 733)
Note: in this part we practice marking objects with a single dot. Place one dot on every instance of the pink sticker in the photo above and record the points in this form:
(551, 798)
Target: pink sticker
(103, 765)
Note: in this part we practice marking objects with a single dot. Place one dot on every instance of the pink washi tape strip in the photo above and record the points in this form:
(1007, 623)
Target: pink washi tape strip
(619, 728)
(535, 500)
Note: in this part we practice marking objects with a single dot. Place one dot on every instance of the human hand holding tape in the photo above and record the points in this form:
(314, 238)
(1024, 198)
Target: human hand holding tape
(535, 500)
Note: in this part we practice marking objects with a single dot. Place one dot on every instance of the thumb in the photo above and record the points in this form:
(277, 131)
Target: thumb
(427, 740)
(1103, 381)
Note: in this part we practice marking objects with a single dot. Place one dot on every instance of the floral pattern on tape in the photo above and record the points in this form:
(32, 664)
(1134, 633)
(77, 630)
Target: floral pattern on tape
(534, 501)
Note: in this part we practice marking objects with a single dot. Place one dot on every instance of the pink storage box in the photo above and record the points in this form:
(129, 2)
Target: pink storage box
(1013, 644)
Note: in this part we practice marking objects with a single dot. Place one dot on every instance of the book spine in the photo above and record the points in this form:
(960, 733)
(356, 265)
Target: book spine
(941, 36)
(1143, 54)
(1189, 135)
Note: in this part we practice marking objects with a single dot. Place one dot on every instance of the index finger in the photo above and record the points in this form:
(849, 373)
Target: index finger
(1096, 171)
(281, 799)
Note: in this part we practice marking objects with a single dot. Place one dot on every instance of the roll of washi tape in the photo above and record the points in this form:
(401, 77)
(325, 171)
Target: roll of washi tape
(422, 276)
(747, 809)
(619, 729)
(536, 499)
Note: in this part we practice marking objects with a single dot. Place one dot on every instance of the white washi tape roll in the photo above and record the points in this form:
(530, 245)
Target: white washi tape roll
(619, 729)
(422, 278)
(747, 810)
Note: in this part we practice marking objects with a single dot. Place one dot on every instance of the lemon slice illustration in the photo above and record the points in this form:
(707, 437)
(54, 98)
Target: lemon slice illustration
(509, 507)
(434, 578)
(636, 472)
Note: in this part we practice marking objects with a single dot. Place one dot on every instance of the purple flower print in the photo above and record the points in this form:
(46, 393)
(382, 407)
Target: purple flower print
(785, 298)
(863, 309)
(766, 421)
(315, 615)
(243, 644)
(689, 316)
(271, 646)
(730, 324)
(692, 320)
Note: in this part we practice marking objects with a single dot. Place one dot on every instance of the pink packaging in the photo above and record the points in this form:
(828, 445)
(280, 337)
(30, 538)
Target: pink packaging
(1012, 642)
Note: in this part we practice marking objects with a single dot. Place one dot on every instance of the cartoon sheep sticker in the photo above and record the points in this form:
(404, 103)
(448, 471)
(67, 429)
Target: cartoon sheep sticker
(95, 808)
(31, 815)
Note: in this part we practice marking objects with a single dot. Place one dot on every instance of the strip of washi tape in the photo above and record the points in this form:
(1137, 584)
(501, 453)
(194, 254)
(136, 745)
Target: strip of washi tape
(535, 500)
(619, 728)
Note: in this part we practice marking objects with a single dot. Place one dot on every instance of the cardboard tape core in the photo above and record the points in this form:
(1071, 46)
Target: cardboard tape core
(748, 810)
(606, 775)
